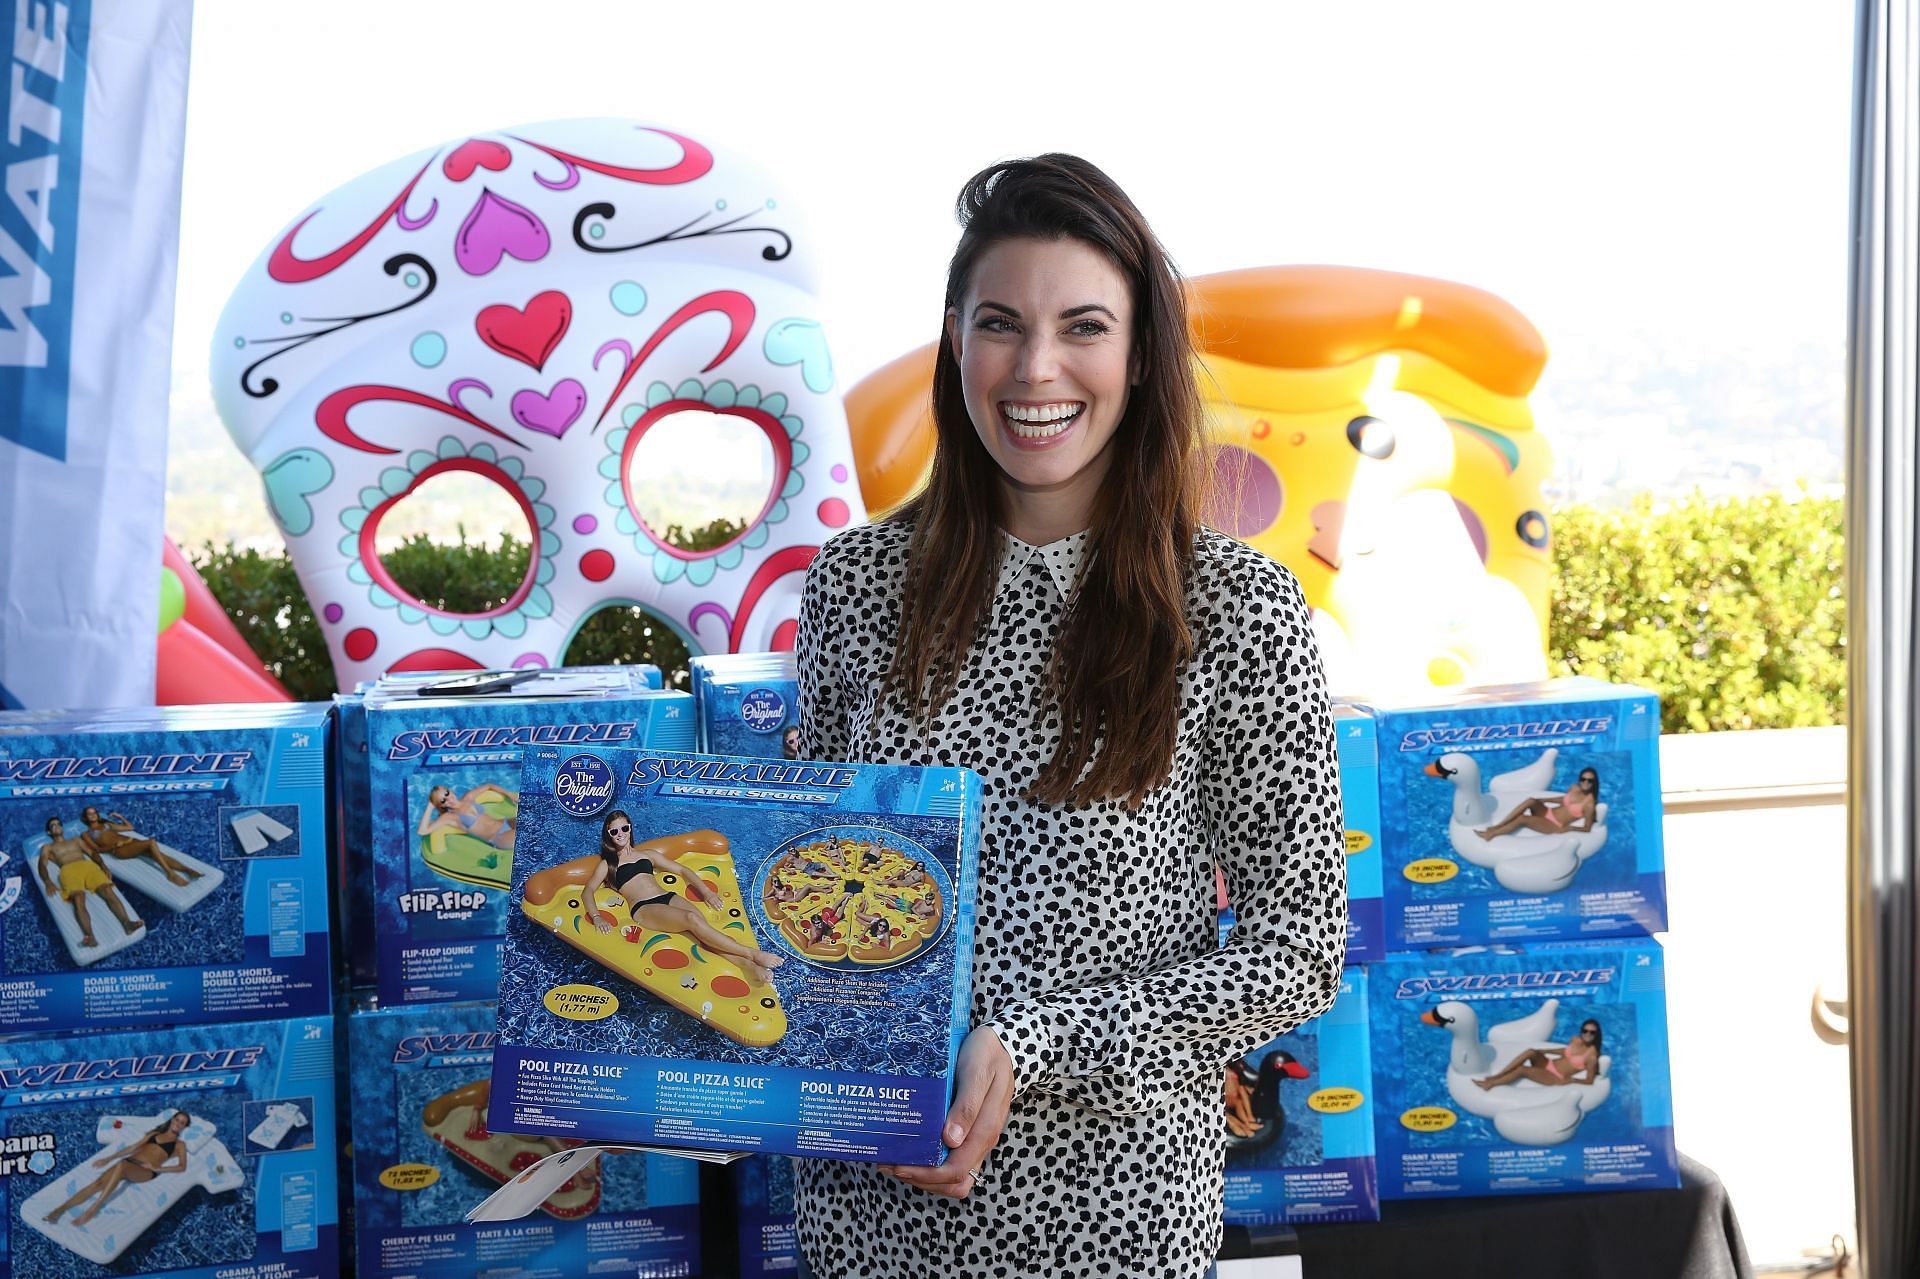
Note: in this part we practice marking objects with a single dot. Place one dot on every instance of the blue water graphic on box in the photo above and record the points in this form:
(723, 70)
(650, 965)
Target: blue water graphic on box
(631, 1023)
(1298, 1113)
(1359, 759)
(763, 1213)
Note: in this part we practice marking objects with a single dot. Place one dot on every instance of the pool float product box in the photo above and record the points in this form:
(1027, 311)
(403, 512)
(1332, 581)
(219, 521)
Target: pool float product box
(1523, 813)
(353, 827)
(192, 1151)
(1359, 757)
(646, 1012)
(747, 704)
(442, 818)
(1298, 1113)
(1511, 1071)
(425, 1151)
(763, 1216)
(163, 866)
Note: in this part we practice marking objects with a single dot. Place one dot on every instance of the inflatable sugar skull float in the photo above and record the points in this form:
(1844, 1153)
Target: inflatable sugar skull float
(1372, 433)
(524, 307)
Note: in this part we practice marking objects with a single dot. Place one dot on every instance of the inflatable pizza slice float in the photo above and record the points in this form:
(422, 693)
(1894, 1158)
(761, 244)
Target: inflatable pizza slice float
(673, 967)
(458, 1121)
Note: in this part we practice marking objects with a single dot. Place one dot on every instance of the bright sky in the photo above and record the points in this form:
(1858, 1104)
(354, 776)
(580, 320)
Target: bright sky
(1677, 169)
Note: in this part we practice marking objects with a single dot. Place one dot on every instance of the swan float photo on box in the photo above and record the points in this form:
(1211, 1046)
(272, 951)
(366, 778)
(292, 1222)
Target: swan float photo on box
(1524, 813)
(425, 1151)
(1298, 1113)
(738, 954)
(131, 1153)
(163, 866)
(1522, 1071)
(443, 817)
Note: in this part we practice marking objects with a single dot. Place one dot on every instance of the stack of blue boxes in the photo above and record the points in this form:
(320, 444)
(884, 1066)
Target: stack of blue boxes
(747, 704)
(1519, 1029)
(430, 785)
(167, 1077)
(1505, 871)
(171, 1063)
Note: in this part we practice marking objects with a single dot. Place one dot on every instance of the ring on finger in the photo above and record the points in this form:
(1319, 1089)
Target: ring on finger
(979, 1178)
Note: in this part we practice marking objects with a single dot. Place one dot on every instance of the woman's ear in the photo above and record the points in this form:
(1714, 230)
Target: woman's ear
(953, 333)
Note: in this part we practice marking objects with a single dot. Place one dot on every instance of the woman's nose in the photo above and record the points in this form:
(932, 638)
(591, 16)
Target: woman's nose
(1039, 362)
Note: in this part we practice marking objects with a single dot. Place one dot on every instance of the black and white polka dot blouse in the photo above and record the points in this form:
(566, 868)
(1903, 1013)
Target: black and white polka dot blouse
(1095, 958)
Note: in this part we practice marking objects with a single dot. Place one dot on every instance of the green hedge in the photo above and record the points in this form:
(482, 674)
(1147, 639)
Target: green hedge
(1732, 609)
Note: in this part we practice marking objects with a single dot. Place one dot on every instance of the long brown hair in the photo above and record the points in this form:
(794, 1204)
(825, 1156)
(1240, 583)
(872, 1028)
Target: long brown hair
(1114, 673)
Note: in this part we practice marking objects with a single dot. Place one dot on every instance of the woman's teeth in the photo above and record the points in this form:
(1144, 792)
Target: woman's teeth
(1039, 421)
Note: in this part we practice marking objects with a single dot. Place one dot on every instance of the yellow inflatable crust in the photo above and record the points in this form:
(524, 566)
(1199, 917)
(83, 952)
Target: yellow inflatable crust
(458, 1121)
(670, 966)
(1322, 317)
(830, 899)
(890, 417)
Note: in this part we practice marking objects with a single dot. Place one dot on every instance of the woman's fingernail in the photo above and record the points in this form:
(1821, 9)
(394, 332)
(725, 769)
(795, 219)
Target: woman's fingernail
(955, 1134)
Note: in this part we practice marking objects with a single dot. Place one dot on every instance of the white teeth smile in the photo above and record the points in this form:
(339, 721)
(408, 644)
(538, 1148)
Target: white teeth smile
(1039, 421)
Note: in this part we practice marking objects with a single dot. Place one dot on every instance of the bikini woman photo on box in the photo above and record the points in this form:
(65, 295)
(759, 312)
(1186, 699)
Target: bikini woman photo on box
(1142, 698)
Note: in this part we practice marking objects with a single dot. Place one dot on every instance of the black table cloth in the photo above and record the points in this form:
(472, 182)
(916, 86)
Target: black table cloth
(1689, 1233)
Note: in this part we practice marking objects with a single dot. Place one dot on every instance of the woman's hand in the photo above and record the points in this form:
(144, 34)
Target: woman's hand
(983, 1090)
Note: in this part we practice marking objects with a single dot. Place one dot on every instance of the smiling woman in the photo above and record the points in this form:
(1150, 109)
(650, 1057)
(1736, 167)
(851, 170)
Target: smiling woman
(1042, 339)
(1142, 699)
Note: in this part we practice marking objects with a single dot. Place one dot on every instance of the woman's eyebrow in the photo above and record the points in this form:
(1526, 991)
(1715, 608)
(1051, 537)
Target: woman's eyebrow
(1068, 314)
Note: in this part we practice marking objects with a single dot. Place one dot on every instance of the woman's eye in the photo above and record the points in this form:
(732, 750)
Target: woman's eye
(995, 324)
(1088, 329)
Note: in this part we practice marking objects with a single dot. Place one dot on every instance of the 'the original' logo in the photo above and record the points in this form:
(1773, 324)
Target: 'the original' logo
(584, 785)
(763, 710)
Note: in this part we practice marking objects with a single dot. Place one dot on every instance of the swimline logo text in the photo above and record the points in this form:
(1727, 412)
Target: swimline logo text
(1427, 738)
(61, 768)
(1474, 983)
(418, 1047)
(421, 741)
(648, 770)
(100, 1069)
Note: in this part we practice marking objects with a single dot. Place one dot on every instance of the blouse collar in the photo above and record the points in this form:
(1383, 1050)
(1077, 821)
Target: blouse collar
(1061, 560)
